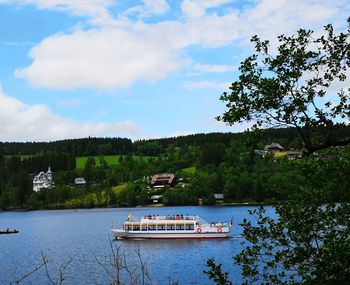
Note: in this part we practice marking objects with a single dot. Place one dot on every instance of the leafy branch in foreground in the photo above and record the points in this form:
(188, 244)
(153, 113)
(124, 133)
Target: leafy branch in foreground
(215, 273)
(302, 85)
(309, 243)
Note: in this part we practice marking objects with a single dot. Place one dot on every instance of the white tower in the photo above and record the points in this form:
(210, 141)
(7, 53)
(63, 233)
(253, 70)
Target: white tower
(49, 175)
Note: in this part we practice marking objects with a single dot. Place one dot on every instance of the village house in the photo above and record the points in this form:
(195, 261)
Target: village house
(43, 180)
(273, 148)
(79, 181)
(294, 154)
(156, 199)
(270, 148)
(219, 198)
(163, 180)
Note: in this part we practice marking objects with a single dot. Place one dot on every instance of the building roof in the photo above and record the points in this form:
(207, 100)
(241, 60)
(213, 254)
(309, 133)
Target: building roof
(156, 197)
(163, 178)
(219, 196)
(273, 146)
(79, 180)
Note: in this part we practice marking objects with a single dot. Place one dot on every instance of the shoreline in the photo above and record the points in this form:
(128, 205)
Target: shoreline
(231, 204)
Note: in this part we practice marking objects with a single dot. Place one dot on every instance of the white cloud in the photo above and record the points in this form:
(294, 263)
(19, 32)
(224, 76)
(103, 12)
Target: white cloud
(205, 85)
(91, 8)
(235, 128)
(121, 51)
(21, 122)
(179, 133)
(100, 58)
(270, 18)
(149, 8)
(110, 57)
(197, 8)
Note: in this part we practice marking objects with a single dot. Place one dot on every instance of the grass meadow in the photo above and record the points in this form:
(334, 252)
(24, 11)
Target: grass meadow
(110, 159)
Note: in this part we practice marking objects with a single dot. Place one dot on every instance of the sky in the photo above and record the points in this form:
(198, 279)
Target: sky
(136, 69)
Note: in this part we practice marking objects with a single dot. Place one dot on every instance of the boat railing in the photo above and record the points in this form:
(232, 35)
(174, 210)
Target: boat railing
(176, 218)
(172, 217)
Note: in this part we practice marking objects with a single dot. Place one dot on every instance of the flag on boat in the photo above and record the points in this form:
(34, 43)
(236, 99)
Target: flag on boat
(231, 223)
(129, 216)
(112, 225)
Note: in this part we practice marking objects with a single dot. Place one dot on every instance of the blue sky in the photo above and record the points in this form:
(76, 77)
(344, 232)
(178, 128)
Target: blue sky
(136, 69)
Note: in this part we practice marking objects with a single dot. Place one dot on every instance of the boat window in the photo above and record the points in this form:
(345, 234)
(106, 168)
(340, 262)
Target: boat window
(136, 228)
(161, 227)
(170, 227)
(144, 228)
(189, 227)
(179, 227)
(151, 228)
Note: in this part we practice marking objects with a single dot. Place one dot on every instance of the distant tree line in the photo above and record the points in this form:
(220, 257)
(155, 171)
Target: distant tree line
(76, 147)
(225, 163)
(288, 137)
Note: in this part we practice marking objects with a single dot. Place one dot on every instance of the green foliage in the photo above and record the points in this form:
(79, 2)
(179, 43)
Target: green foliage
(215, 273)
(308, 243)
(211, 154)
(110, 160)
(329, 171)
(204, 185)
(77, 147)
(240, 174)
(291, 87)
(131, 195)
(179, 196)
(189, 170)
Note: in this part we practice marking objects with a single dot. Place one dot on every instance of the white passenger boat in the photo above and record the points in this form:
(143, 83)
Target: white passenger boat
(171, 227)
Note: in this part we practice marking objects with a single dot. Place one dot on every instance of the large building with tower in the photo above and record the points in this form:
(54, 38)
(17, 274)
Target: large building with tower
(43, 180)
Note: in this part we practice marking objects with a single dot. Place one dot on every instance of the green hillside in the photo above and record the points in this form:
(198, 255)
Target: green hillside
(111, 160)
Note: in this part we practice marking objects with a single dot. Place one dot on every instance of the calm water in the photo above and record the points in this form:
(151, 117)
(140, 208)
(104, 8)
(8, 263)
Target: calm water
(84, 235)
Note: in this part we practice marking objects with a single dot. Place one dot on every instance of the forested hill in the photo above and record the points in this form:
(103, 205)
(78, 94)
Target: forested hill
(96, 146)
(205, 164)
(287, 137)
(76, 147)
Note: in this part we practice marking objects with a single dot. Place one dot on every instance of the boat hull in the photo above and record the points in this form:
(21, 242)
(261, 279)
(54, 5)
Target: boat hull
(171, 235)
(8, 232)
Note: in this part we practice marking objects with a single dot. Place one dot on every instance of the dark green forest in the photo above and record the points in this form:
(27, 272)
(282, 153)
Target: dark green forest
(204, 163)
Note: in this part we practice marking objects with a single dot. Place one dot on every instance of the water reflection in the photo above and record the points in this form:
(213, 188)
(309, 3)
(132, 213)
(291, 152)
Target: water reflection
(85, 235)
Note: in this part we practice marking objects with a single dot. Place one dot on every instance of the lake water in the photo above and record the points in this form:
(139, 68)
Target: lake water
(84, 236)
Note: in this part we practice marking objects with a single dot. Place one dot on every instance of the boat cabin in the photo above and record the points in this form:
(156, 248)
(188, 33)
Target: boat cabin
(163, 223)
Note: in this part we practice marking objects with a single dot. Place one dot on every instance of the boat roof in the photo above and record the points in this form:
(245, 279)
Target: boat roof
(156, 219)
(159, 222)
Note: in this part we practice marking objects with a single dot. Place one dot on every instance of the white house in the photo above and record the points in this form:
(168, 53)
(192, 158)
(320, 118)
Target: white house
(79, 181)
(43, 180)
(156, 198)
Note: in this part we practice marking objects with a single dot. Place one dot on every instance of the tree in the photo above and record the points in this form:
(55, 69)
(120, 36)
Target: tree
(89, 169)
(294, 87)
(308, 243)
(215, 273)
(211, 153)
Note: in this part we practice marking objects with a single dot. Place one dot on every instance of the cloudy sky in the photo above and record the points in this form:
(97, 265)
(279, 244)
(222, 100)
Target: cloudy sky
(133, 68)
